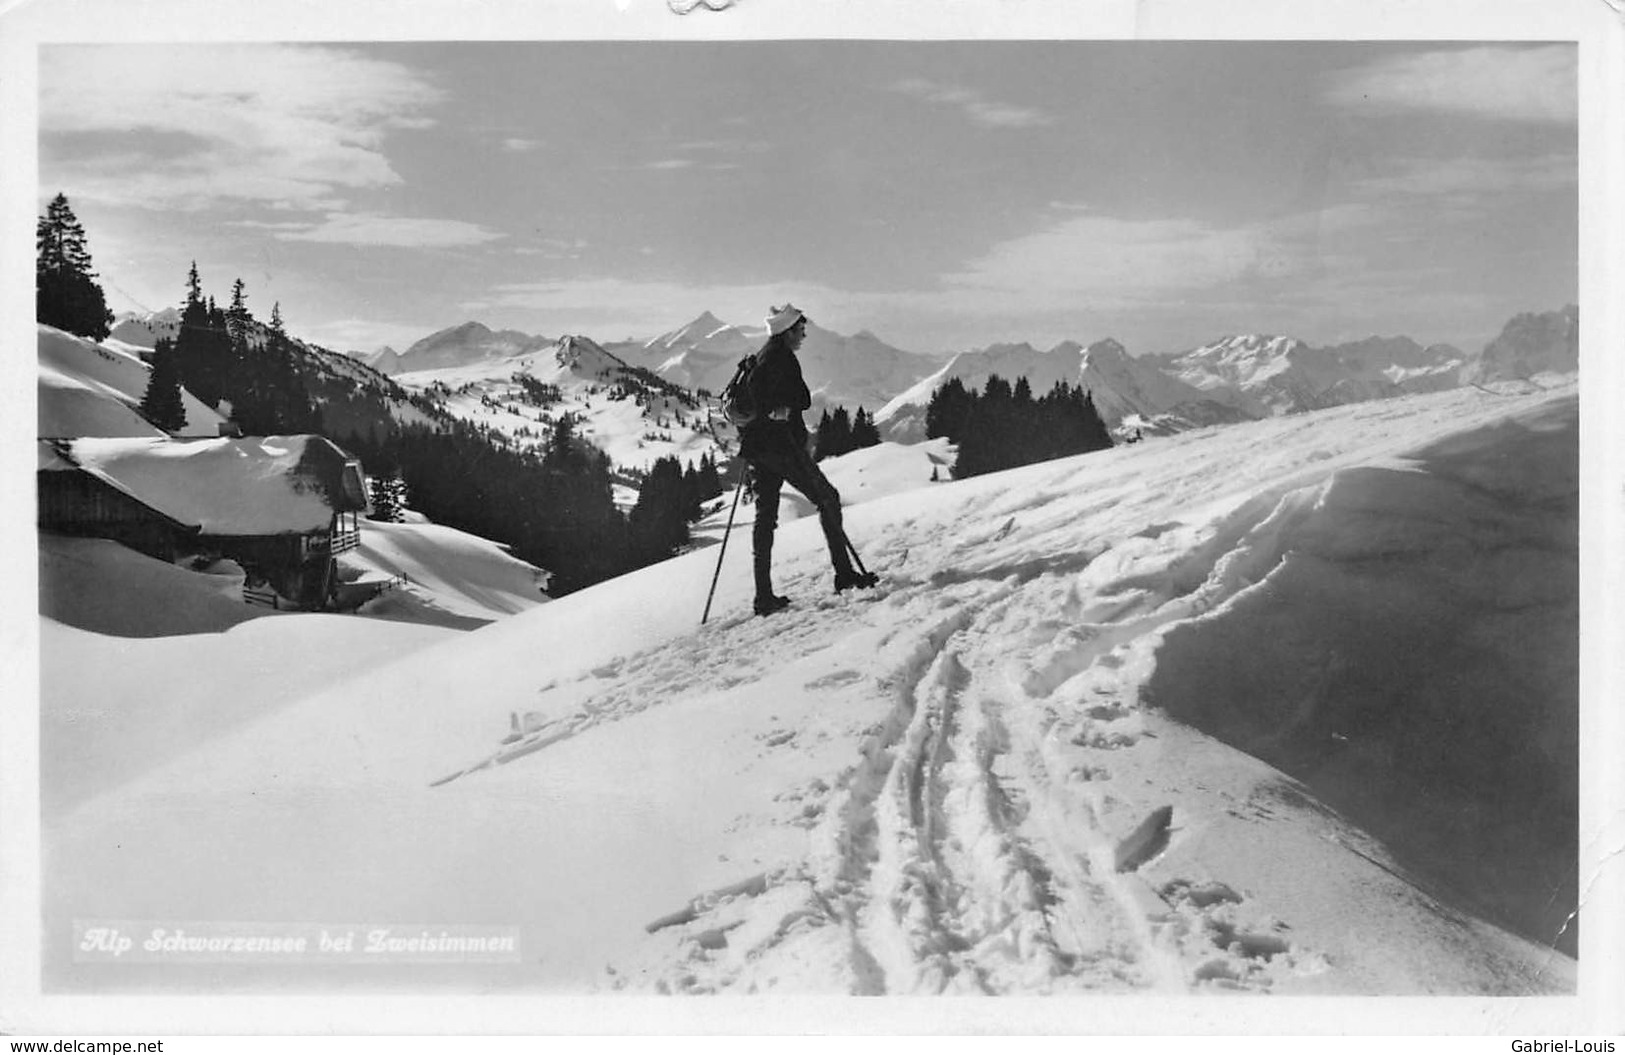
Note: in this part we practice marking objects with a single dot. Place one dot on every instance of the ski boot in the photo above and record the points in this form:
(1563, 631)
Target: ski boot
(770, 604)
(850, 579)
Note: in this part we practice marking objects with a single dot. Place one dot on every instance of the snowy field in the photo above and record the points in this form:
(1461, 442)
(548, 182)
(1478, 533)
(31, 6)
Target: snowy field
(1287, 707)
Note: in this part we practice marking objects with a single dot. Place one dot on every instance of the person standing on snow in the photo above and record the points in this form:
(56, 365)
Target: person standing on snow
(774, 444)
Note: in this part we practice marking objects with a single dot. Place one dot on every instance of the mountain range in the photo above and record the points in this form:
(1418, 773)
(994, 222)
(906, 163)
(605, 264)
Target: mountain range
(1235, 378)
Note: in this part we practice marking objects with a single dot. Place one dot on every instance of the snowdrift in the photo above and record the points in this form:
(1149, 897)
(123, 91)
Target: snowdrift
(446, 577)
(1068, 748)
(1412, 655)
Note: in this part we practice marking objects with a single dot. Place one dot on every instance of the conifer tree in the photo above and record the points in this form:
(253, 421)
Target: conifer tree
(388, 494)
(161, 404)
(840, 431)
(710, 481)
(66, 294)
(864, 431)
(202, 347)
(238, 320)
(659, 520)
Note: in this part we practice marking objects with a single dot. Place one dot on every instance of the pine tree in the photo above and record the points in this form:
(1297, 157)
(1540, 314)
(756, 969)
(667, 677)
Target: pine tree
(710, 479)
(388, 494)
(659, 520)
(161, 404)
(864, 431)
(946, 413)
(202, 348)
(66, 294)
(840, 430)
(238, 320)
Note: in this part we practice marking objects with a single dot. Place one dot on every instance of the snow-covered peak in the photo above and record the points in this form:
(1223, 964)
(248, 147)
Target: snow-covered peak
(707, 328)
(585, 357)
(466, 344)
(1531, 344)
(1106, 350)
(1245, 357)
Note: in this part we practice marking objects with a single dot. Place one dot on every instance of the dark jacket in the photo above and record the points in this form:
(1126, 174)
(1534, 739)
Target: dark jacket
(776, 382)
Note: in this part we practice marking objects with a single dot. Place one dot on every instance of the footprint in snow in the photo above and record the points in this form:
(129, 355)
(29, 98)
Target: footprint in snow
(1107, 712)
(833, 681)
(1238, 953)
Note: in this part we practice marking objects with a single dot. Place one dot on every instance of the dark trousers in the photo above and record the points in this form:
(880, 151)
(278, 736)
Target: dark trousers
(772, 468)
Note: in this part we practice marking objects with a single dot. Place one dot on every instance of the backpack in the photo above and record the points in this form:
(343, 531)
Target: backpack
(738, 402)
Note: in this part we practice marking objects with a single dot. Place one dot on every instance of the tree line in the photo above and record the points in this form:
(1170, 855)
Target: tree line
(840, 433)
(1003, 426)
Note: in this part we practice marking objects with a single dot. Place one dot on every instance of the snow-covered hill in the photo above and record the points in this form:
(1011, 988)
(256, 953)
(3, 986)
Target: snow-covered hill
(144, 329)
(90, 389)
(632, 416)
(1285, 707)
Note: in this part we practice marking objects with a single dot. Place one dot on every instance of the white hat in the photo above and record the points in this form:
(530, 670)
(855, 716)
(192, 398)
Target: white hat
(782, 319)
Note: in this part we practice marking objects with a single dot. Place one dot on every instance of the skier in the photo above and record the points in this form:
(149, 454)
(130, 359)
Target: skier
(774, 444)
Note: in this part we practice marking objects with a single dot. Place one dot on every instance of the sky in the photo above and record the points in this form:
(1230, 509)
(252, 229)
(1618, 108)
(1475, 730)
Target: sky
(944, 195)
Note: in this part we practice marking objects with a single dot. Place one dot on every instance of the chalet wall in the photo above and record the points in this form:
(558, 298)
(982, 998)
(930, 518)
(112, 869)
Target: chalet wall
(74, 503)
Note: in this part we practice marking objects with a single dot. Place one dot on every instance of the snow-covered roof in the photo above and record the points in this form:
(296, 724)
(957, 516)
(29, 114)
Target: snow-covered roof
(258, 485)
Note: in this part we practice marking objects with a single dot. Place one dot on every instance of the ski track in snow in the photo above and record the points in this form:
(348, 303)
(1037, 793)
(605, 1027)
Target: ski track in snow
(965, 851)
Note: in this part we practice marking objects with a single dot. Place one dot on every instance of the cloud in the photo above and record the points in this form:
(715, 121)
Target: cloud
(521, 146)
(1509, 82)
(554, 248)
(1103, 258)
(972, 104)
(379, 230)
(1467, 178)
(189, 125)
(364, 334)
(726, 146)
(670, 164)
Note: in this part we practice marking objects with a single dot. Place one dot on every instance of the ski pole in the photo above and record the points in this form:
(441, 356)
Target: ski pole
(725, 532)
(854, 551)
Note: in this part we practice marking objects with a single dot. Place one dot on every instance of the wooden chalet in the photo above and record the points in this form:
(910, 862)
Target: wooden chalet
(281, 506)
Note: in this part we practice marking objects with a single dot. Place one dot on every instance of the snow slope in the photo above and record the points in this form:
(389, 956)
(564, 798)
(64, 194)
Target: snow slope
(86, 389)
(446, 577)
(144, 329)
(1107, 729)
